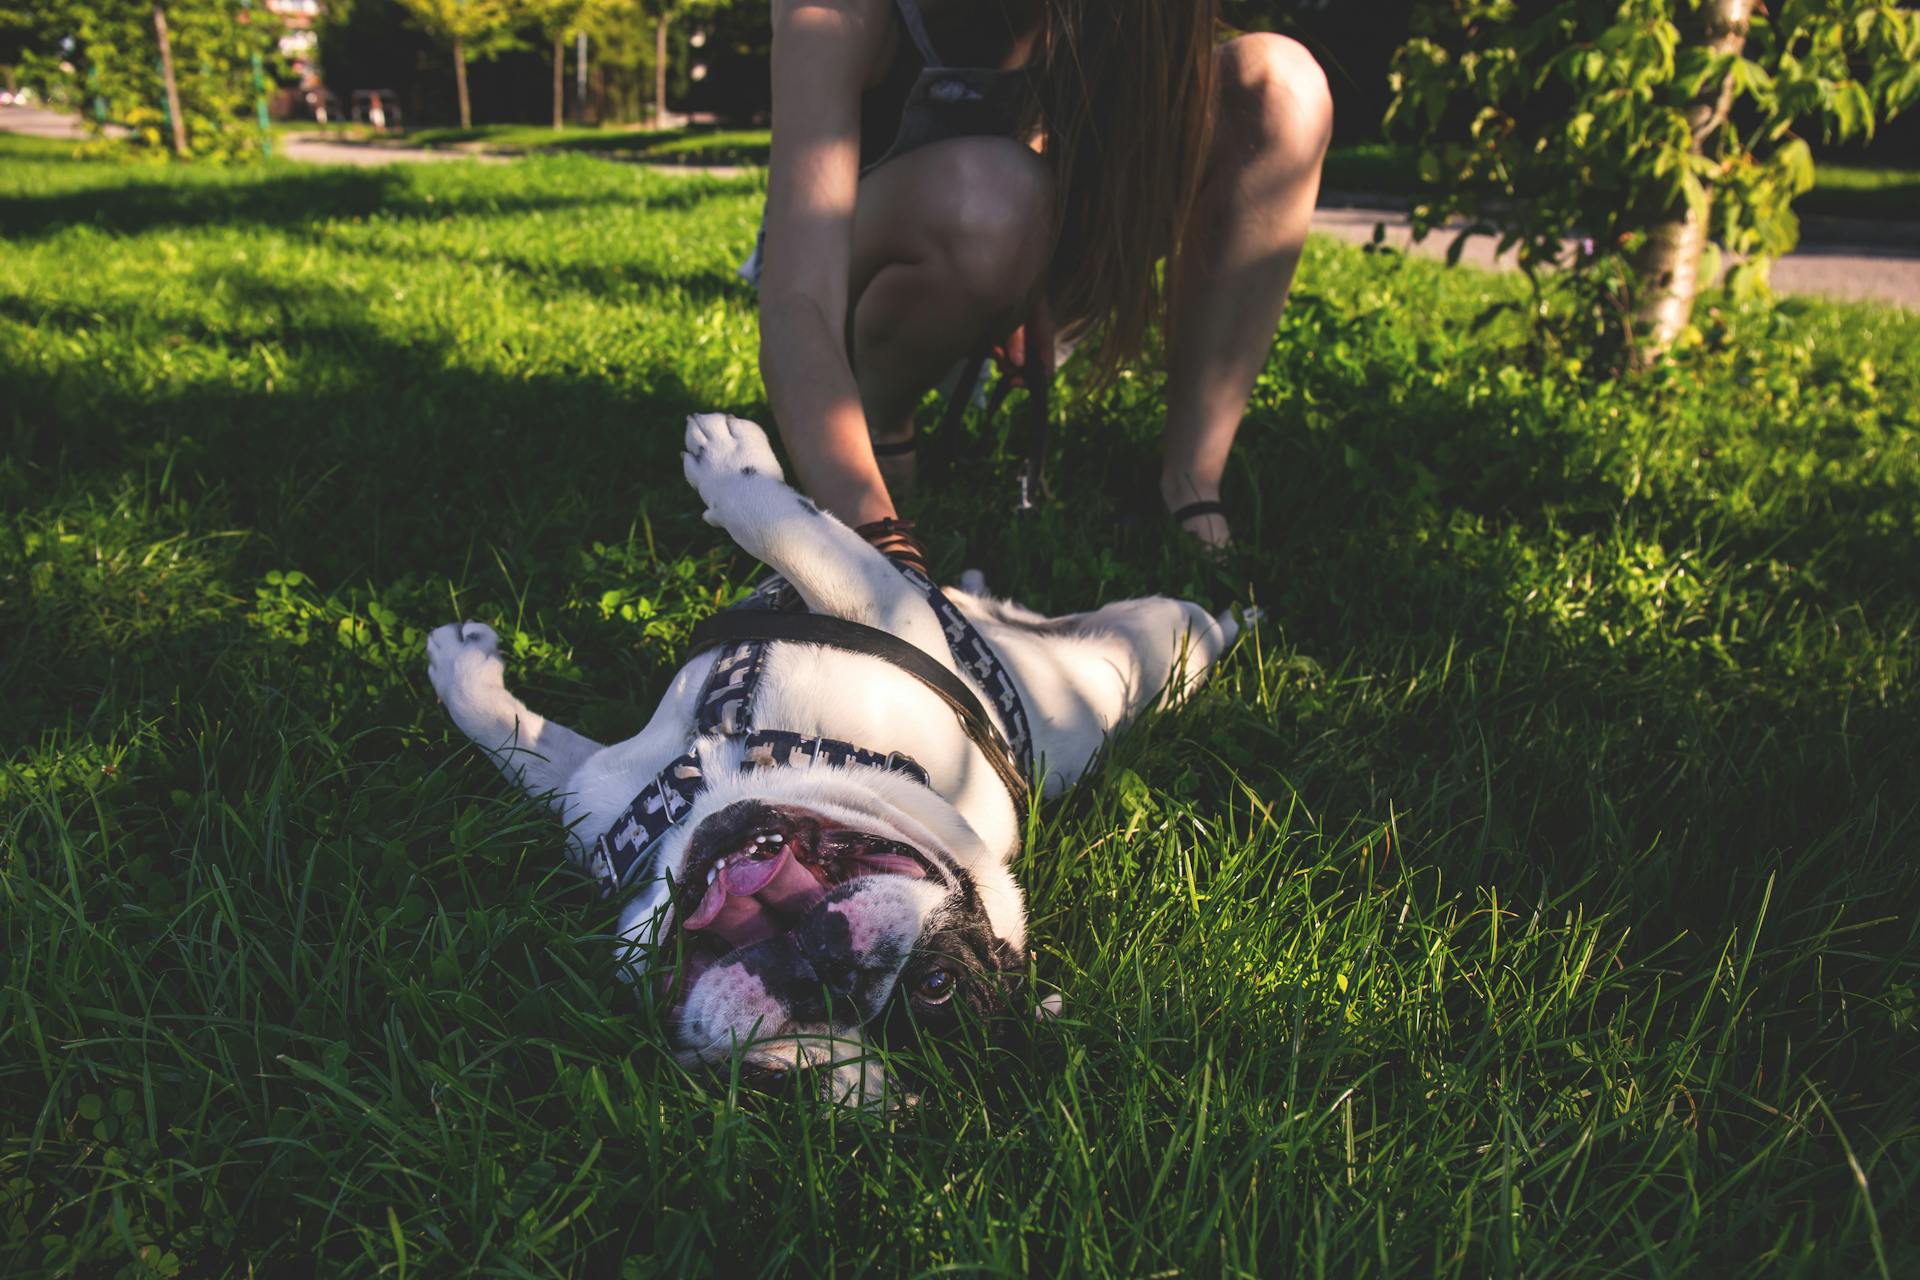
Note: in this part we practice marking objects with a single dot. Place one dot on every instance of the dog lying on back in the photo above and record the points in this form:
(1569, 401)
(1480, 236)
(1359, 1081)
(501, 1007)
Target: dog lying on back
(817, 832)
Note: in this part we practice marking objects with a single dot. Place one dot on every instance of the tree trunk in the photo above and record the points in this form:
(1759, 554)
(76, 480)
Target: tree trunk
(460, 82)
(660, 73)
(559, 81)
(1668, 265)
(582, 112)
(166, 77)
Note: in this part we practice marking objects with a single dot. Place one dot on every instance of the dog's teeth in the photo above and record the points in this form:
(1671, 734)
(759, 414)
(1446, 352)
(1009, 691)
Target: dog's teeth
(777, 839)
(759, 839)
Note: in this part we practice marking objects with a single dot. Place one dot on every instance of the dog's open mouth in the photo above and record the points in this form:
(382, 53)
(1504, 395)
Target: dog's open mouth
(755, 874)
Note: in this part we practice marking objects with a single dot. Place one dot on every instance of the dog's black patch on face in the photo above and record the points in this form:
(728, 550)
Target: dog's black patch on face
(982, 971)
(817, 975)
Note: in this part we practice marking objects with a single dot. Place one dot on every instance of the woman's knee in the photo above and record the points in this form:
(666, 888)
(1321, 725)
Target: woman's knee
(990, 217)
(1274, 95)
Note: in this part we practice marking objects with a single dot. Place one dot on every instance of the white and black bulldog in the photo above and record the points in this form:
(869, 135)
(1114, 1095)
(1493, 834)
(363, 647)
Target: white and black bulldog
(816, 827)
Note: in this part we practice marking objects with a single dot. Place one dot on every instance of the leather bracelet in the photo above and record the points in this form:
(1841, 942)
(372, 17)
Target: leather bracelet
(896, 540)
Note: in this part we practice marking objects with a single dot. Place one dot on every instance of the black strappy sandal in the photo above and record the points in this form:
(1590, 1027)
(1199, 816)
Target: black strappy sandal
(1193, 510)
(1180, 515)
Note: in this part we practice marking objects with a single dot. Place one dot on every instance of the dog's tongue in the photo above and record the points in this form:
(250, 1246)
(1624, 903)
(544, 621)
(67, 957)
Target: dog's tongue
(740, 903)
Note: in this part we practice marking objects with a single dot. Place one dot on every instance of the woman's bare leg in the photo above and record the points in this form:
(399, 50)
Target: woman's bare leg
(949, 243)
(1256, 202)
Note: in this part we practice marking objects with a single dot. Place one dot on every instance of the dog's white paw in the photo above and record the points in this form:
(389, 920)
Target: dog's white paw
(463, 661)
(722, 452)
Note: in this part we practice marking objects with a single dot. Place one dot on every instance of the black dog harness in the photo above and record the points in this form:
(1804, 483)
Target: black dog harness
(775, 613)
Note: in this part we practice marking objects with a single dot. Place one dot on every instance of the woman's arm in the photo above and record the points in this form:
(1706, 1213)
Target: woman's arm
(824, 52)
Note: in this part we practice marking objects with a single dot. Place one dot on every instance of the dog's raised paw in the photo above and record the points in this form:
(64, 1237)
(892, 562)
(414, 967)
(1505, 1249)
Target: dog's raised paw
(461, 654)
(722, 448)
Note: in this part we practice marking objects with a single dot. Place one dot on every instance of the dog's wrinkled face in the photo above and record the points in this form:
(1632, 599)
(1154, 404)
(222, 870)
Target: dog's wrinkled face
(804, 939)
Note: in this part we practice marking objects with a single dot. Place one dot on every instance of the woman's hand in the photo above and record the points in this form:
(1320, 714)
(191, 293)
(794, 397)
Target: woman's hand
(1032, 342)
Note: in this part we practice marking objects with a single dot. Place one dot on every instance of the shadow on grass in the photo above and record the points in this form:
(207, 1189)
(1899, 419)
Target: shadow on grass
(558, 277)
(384, 468)
(288, 197)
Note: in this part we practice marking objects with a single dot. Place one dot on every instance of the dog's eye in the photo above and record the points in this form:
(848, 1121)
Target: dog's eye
(935, 986)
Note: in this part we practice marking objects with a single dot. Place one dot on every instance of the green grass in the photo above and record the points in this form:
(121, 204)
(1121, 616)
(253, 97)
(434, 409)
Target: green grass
(1372, 167)
(1845, 191)
(1853, 191)
(1533, 895)
(698, 146)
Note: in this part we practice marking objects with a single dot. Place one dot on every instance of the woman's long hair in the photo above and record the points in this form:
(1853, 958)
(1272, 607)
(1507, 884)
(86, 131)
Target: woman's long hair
(1125, 96)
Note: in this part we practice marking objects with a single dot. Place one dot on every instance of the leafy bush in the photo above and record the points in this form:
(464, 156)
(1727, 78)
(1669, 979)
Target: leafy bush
(115, 69)
(1640, 130)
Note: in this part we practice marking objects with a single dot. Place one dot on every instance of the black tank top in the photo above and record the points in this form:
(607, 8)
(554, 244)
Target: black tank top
(923, 100)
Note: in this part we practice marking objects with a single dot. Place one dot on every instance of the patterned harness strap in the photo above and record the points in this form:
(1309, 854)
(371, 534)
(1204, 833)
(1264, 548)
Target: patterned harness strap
(975, 657)
(625, 853)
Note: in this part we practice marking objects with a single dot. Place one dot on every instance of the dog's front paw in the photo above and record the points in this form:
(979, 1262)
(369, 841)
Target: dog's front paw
(723, 451)
(463, 661)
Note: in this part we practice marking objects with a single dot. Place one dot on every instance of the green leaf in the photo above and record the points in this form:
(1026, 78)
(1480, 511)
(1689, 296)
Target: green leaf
(1748, 282)
(1795, 163)
(1852, 111)
(1695, 191)
(1901, 88)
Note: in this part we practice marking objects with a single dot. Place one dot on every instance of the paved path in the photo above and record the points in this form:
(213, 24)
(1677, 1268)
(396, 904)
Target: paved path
(36, 122)
(1886, 270)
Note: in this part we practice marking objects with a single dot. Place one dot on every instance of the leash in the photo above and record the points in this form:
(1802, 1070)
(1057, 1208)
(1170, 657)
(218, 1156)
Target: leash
(1036, 374)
